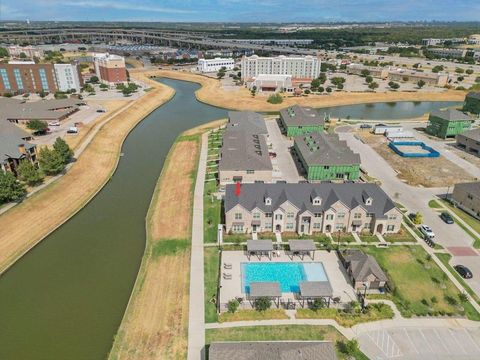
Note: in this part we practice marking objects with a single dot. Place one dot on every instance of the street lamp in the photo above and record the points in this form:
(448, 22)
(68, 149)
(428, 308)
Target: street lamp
(338, 240)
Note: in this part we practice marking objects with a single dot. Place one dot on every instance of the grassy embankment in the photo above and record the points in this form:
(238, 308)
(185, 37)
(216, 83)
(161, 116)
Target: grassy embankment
(23, 226)
(279, 333)
(468, 219)
(212, 93)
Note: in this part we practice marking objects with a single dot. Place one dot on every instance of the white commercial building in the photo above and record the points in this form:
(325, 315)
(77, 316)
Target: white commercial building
(68, 77)
(29, 51)
(301, 67)
(214, 65)
(275, 83)
(474, 39)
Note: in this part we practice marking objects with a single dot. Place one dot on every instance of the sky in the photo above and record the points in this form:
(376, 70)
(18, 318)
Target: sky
(241, 10)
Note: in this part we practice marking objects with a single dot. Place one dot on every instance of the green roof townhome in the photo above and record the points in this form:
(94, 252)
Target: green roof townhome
(14, 147)
(297, 120)
(472, 103)
(326, 157)
(470, 141)
(244, 154)
(272, 350)
(447, 123)
(309, 208)
(466, 196)
(363, 270)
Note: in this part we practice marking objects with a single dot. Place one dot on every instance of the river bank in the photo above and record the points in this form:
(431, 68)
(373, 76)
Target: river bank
(211, 93)
(23, 226)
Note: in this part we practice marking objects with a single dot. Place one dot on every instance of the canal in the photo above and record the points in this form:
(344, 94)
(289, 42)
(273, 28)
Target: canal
(65, 298)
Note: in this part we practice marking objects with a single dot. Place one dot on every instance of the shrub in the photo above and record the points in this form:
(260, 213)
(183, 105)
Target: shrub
(233, 306)
(317, 305)
(329, 89)
(348, 347)
(37, 125)
(451, 300)
(263, 304)
(434, 300)
(275, 99)
(418, 218)
(463, 297)
(28, 173)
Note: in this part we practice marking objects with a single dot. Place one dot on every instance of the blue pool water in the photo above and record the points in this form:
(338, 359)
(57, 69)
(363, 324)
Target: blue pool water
(289, 275)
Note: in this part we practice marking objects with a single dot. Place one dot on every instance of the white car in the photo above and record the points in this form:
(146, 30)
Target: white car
(427, 231)
(54, 123)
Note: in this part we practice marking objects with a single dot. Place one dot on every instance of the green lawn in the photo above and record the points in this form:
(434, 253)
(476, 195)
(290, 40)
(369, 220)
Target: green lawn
(368, 238)
(402, 236)
(246, 315)
(445, 259)
(434, 204)
(211, 212)
(467, 218)
(279, 333)
(212, 264)
(419, 286)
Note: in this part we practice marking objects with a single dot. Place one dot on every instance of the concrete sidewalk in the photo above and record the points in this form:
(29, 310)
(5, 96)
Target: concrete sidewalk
(196, 321)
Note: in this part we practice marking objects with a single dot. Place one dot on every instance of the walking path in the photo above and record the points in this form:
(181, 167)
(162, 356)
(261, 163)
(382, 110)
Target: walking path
(196, 322)
(356, 237)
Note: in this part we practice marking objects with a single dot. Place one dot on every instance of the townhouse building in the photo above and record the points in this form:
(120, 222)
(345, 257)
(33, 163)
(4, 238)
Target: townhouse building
(466, 196)
(299, 120)
(472, 102)
(307, 208)
(14, 147)
(448, 123)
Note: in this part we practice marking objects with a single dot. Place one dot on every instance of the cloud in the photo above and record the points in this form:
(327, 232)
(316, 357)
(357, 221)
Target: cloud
(128, 6)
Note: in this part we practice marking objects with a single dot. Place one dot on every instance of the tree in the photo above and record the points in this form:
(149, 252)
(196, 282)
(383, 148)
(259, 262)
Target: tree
(28, 173)
(459, 70)
(393, 85)
(321, 89)
(348, 347)
(220, 74)
(317, 304)
(253, 91)
(275, 99)
(94, 79)
(42, 94)
(51, 162)
(365, 72)
(37, 125)
(3, 52)
(417, 218)
(315, 84)
(61, 147)
(263, 304)
(373, 85)
(22, 55)
(469, 71)
(369, 79)
(329, 89)
(322, 78)
(420, 83)
(437, 68)
(10, 188)
(233, 305)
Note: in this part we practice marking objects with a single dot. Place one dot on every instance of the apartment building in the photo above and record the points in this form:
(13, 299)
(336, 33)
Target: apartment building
(244, 156)
(447, 123)
(326, 157)
(29, 51)
(302, 68)
(472, 102)
(469, 141)
(449, 52)
(14, 147)
(474, 39)
(214, 65)
(466, 196)
(298, 120)
(435, 42)
(272, 83)
(310, 208)
(19, 77)
(110, 68)
(68, 77)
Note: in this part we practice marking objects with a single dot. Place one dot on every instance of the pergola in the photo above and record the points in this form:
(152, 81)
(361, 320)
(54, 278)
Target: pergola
(259, 248)
(312, 290)
(266, 289)
(302, 248)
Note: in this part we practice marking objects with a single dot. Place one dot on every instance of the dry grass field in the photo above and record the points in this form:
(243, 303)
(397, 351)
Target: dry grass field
(26, 224)
(212, 93)
(155, 324)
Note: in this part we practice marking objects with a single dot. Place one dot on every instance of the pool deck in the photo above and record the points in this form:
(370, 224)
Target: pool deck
(232, 288)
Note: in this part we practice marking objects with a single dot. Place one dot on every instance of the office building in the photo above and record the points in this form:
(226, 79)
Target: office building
(110, 68)
(19, 77)
(214, 65)
(29, 51)
(68, 77)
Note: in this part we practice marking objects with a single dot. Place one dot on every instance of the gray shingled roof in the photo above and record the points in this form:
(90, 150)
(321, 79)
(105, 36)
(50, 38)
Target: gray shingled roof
(450, 115)
(301, 195)
(10, 137)
(259, 245)
(301, 245)
(272, 350)
(301, 116)
(315, 289)
(471, 187)
(325, 149)
(265, 289)
(363, 265)
(244, 146)
(474, 95)
(42, 110)
(473, 134)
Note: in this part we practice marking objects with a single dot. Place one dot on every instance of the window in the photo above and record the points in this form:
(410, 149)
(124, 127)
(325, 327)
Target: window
(290, 215)
(339, 226)
(256, 215)
(250, 171)
(268, 226)
(268, 215)
(392, 217)
(317, 215)
(366, 226)
(357, 215)
(390, 227)
(370, 215)
(329, 217)
(238, 216)
(278, 216)
(268, 201)
(237, 228)
(317, 225)
(289, 226)
(341, 215)
(6, 82)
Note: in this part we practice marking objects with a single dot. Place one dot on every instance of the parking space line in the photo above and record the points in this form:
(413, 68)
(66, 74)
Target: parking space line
(441, 342)
(426, 341)
(456, 340)
(411, 342)
(470, 337)
(378, 338)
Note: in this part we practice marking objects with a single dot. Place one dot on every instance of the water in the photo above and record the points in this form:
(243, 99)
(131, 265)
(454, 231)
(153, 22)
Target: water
(65, 299)
(289, 275)
(386, 111)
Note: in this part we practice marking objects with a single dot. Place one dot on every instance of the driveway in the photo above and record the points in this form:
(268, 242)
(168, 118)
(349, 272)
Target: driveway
(421, 343)
(283, 164)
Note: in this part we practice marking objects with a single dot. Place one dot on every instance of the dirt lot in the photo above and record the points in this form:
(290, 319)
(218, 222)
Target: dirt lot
(212, 93)
(28, 223)
(427, 172)
(155, 325)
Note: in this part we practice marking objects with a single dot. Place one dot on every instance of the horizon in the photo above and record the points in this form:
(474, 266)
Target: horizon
(247, 11)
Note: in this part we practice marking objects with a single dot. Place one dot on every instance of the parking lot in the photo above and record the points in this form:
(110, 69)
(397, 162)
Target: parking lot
(421, 343)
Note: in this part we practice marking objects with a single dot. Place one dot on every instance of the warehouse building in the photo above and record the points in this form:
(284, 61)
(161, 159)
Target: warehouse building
(326, 157)
(447, 123)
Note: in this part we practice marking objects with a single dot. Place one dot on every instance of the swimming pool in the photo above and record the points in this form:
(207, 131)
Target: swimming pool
(289, 275)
